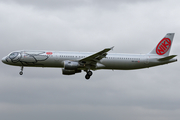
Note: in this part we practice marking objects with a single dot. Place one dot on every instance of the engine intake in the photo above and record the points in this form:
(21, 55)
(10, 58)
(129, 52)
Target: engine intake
(70, 68)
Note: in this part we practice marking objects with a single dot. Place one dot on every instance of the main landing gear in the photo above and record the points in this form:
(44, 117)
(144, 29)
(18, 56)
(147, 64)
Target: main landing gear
(88, 74)
(21, 72)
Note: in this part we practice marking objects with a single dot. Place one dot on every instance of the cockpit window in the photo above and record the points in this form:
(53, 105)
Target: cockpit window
(13, 55)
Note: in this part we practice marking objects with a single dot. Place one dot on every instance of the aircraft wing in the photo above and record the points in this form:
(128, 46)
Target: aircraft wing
(94, 58)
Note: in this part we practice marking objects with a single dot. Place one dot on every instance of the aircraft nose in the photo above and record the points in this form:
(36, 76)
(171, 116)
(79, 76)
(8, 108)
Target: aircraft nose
(4, 60)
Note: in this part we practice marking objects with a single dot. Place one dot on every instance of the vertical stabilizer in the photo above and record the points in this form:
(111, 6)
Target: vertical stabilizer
(164, 46)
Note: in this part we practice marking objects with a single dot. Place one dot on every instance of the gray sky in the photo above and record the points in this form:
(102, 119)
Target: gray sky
(132, 26)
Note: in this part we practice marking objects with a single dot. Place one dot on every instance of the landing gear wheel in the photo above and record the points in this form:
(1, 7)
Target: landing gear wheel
(21, 73)
(89, 73)
(87, 76)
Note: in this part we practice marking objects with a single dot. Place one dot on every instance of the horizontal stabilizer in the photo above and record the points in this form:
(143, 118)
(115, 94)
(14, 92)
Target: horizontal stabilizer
(167, 58)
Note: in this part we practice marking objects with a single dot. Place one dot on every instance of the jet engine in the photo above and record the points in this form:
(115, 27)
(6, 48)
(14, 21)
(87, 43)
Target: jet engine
(70, 68)
(70, 65)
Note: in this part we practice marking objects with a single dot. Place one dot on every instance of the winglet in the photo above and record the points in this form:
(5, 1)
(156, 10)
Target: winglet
(112, 48)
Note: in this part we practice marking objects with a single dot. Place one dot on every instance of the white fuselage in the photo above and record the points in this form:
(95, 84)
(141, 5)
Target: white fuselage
(116, 61)
(74, 62)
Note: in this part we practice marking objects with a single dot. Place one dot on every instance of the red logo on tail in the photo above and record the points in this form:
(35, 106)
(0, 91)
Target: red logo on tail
(163, 46)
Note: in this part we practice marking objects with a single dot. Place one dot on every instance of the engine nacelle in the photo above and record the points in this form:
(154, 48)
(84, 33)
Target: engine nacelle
(70, 72)
(70, 65)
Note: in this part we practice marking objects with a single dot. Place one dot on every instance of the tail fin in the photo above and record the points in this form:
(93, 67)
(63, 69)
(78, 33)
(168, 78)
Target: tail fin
(164, 46)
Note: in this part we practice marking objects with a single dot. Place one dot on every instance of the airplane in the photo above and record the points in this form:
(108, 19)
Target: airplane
(76, 62)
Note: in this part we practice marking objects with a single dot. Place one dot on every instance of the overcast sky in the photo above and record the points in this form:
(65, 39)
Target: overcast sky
(132, 26)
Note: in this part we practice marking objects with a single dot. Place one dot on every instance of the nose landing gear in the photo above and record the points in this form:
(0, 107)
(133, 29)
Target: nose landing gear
(21, 72)
(88, 74)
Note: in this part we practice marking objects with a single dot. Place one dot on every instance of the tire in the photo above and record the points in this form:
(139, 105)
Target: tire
(89, 73)
(87, 76)
(21, 73)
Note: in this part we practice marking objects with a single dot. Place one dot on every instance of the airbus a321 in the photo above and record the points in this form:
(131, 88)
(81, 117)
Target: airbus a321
(75, 62)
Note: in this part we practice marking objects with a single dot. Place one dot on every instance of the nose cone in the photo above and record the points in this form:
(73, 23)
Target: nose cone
(4, 60)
